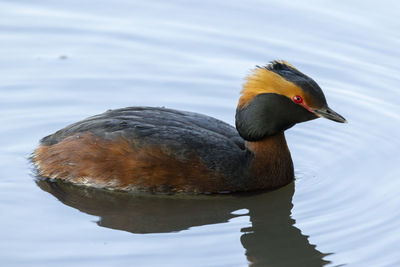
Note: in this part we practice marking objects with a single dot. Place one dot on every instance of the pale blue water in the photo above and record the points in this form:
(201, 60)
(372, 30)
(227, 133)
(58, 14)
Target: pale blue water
(61, 61)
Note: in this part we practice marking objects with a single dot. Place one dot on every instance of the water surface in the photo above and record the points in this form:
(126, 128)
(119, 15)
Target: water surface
(61, 61)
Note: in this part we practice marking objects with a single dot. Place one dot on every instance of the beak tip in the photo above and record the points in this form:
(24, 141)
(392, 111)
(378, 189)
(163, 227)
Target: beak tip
(330, 115)
(340, 120)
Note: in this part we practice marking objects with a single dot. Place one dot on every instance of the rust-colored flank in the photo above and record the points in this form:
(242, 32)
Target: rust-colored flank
(90, 160)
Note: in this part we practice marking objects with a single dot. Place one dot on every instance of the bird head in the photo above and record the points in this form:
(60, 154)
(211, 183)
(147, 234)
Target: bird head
(276, 97)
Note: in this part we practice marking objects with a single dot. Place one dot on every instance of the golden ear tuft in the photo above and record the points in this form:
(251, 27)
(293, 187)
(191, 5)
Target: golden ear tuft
(268, 80)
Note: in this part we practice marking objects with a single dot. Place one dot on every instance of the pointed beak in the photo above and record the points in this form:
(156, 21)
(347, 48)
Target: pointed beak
(329, 114)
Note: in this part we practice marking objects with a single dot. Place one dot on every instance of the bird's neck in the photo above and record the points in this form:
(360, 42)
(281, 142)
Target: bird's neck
(272, 164)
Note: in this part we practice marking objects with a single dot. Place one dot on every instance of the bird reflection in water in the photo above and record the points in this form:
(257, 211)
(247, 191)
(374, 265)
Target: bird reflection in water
(271, 240)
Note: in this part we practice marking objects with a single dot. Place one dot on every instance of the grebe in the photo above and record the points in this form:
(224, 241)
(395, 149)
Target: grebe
(165, 150)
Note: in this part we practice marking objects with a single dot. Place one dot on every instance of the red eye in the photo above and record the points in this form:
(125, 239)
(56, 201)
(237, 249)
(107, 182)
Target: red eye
(297, 99)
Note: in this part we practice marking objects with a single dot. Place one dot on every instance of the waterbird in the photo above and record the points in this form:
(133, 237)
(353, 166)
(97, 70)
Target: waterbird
(162, 150)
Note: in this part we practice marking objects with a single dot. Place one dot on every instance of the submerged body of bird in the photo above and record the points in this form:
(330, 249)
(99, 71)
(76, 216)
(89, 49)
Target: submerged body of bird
(165, 150)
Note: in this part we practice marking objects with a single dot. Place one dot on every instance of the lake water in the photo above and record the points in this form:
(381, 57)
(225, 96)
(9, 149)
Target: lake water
(62, 61)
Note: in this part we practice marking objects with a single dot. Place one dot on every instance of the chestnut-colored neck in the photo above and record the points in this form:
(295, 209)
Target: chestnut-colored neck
(272, 164)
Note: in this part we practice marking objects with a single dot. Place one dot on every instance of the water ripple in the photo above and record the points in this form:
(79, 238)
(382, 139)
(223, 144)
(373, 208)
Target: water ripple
(66, 60)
